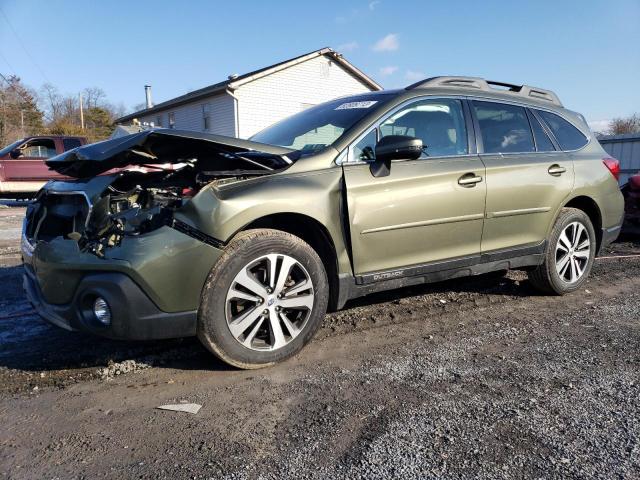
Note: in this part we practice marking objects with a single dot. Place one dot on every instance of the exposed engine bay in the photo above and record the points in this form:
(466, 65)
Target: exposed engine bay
(99, 212)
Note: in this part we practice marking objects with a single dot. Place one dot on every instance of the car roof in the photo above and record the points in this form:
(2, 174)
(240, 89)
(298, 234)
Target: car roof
(479, 87)
(473, 87)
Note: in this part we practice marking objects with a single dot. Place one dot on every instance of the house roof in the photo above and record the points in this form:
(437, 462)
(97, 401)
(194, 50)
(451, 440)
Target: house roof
(233, 83)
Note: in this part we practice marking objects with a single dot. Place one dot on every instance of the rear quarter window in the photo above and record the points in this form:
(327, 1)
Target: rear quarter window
(70, 143)
(568, 136)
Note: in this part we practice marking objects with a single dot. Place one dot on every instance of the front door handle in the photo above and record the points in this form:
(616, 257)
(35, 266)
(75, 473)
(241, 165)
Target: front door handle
(469, 180)
(556, 170)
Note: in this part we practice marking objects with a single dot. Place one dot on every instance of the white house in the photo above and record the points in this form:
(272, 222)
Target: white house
(245, 104)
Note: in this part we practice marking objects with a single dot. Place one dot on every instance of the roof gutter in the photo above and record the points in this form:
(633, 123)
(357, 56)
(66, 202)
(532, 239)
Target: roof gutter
(236, 104)
(325, 51)
(357, 72)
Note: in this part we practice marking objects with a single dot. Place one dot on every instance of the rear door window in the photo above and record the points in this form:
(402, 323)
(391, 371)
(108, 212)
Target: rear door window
(504, 128)
(543, 142)
(568, 136)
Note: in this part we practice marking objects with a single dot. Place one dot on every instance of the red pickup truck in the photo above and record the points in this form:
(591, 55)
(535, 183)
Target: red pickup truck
(22, 167)
(631, 194)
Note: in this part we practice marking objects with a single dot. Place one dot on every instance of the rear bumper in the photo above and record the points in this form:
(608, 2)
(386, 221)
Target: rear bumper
(134, 315)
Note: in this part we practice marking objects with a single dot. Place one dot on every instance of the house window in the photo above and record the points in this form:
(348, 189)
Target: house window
(206, 117)
(159, 121)
(172, 120)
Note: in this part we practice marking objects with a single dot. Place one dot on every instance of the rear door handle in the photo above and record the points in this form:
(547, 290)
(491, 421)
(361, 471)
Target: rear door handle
(556, 170)
(469, 180)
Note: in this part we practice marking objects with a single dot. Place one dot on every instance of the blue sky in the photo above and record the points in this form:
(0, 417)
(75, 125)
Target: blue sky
(587, 51)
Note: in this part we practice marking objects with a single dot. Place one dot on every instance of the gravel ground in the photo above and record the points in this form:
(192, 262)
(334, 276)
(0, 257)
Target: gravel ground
(478, 378)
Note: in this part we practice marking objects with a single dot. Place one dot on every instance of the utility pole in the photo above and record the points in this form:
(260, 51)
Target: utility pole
(81, 112)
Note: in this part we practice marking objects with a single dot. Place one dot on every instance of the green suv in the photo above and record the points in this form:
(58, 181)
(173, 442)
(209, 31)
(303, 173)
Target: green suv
(247, 243)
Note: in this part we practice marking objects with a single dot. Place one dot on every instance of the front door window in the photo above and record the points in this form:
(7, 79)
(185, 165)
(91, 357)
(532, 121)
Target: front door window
(38, 148)
(438, 123)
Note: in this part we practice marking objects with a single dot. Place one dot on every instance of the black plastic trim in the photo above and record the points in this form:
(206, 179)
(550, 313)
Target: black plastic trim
(470, 127)
(453, 264)
(609, 235)
(351, 290)
(496, 255)
(134, 315)
(476, 126)
(197, 234)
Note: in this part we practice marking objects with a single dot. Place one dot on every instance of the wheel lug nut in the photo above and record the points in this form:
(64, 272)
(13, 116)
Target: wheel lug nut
(265, 311)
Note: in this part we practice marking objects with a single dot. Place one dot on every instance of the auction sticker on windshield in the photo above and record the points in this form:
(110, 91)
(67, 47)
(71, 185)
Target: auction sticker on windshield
(350, 105)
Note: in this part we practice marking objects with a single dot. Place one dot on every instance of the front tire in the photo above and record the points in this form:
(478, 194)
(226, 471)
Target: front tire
(570, 254)
(264, 299)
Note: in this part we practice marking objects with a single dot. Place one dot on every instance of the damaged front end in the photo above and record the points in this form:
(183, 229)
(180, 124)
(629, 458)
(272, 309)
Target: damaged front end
(131, 204)
(153, 175)
(111, 234)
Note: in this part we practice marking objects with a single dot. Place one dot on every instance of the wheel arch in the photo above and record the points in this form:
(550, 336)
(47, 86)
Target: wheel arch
(312, 232)
(590, 207)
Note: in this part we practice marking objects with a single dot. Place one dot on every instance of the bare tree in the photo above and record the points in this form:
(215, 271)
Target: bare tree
(620, 126)
(50, 102)
(94, 97)
(118, 110)
(23, 113)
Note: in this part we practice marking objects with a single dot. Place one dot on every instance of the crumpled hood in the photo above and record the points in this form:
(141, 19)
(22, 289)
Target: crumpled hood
(161, 146)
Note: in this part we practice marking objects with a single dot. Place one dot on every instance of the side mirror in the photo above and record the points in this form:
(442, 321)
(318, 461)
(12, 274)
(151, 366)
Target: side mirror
(394, 147)
(15, 154)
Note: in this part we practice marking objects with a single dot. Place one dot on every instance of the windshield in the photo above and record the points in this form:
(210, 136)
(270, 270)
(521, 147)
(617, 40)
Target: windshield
(315, 128)
(11, 147)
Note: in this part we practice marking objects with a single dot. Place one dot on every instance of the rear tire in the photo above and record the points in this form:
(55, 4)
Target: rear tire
(570, 254)
(264, 299)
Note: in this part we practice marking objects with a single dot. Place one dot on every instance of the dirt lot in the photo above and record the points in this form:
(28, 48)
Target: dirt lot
(478, 378)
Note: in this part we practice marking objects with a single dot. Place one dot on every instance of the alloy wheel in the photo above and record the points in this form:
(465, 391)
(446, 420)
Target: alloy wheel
(269, 302)
(573, 252)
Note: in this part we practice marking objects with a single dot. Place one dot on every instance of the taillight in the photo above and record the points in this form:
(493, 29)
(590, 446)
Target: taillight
(613, 165)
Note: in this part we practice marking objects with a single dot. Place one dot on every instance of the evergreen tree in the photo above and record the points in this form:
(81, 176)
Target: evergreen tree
(19, 112)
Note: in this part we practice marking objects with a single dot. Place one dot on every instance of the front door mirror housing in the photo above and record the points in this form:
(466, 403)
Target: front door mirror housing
(394, 147)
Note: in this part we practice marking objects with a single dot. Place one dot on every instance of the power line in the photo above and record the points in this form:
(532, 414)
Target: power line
(15, 34)
(7, 62)
(10, 85)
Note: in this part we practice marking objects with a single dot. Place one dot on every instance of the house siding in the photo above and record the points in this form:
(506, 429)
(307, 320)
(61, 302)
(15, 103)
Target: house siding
(274, 97)
(189, 116)
(255, 105)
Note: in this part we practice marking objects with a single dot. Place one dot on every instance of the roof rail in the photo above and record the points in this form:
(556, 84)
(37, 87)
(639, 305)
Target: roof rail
(477, 83)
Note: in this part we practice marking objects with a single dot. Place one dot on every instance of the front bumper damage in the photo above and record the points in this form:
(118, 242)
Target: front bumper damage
(152, 283)
(135, 316)
(130, 237)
